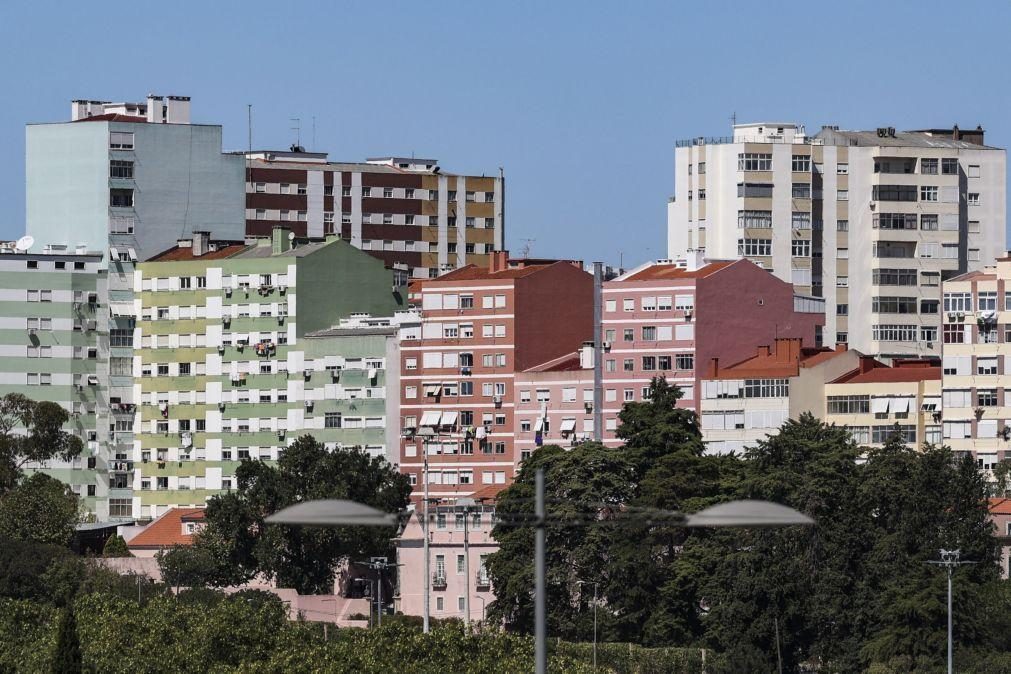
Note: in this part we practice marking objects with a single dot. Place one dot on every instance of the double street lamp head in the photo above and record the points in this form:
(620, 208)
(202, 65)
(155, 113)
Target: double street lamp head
(748, 513)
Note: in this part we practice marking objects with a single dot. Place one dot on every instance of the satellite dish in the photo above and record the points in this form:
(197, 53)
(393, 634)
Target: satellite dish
(291, 236)
(25, 243)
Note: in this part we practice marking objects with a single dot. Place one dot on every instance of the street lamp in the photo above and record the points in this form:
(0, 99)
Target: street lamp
(950, 560)
(581, 583)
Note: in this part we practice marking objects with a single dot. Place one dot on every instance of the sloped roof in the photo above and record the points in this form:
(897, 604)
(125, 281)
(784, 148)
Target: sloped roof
(473, 272)
(901, 371)
(167, 530)
(999, 506)
(673, 271)
(567, 363)
(185, 253)
(113, 117)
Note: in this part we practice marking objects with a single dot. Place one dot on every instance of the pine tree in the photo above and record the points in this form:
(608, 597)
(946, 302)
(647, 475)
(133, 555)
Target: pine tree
(115, 546)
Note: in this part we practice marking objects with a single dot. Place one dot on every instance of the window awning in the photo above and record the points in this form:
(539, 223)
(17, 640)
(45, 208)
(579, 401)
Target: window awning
(481, 433)
(432, 389)
(448, 418)
(931, 404)
(133, 254)
(113, 253)
(899, 405)
(879, 405)
(568, 425)
(430, 418)
(124, 309)
(539, 424)
(372, 373)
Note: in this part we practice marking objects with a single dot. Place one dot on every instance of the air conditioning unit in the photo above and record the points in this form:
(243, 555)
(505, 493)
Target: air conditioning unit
(588, 407)
(960, 315)
(465, 370)
(688, 315)
(307, 373)
(282, 289)
(280, 434)
(225, 320)
(308, 404)
(607, 346)
(280, 319)
(221, 407)
(32, 331)
(228, 292)
(77, 306)
(497, 400)
(221, 348)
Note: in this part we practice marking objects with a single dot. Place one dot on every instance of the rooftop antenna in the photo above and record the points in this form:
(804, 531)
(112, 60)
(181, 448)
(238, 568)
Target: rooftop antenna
(297, 128)
(527, 246)
(313, 148)
(733, 119)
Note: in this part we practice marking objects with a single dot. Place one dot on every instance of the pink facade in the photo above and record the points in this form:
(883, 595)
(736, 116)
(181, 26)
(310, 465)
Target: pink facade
(479, 327)
(447, 555)
(670, 319)
(554, 403)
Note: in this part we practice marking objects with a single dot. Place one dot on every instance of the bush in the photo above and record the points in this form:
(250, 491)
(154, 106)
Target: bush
(115, 546)
(23, 566)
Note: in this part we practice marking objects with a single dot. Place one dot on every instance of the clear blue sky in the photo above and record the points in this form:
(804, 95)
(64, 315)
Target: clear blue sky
(580, 102)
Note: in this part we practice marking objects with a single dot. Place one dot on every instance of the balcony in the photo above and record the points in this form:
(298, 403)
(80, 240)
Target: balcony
(482, 579)
(439, 579)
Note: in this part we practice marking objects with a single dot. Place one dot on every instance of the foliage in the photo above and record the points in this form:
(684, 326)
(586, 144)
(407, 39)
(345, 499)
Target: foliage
(24, 566)
(187, 566)
(43, 438)
(116, 546)
(27, 634)
(301, 558)
(67, 656)
(39, 509)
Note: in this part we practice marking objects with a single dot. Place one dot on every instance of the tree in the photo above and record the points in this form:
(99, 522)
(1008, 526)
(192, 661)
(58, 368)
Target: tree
(32, 432)
(116, 546)
(24, 566)
(305, 559)
(187, 566)
(39, 509)
(67, 657)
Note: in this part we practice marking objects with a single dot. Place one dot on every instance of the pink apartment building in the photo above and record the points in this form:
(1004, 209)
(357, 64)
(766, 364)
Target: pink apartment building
(481, 326)
(670, 318)
(554, 402)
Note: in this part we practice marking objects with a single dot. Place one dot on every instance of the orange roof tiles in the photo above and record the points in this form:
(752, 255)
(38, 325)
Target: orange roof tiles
(167, 530)
(875, 372)
(974, 276)
(180, 254)
(567, 363)
(113, 117)
(670, 271)
(488, 493)
(784, 359)
(473, 272)
(999, 506)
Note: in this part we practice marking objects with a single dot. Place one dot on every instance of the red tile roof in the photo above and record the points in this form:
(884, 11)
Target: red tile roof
(1000, 506)
(179, 254)
(473, 272)
(488, 492)
(167, 530)
(875, 372)
(783, 359)
(672, 271)
(974, 276)
(567, 363)
(113, 117)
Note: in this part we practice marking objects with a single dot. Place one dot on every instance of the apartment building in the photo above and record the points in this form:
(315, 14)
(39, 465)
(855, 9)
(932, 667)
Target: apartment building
(460, 542)
(224, 370)
(977, 362)
(671, 318)
(746, 401)
(480, 326)
(876, 400)
(554, 402)
(134, 176)
(873, 221)
(55, 345)
(400, 210)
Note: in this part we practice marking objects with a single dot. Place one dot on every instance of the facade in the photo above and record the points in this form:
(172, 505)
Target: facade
(871, 221)
(746, 401)
(134, 176)
(977, 362)
(554, 402)
(873, 398)
(480, 326)
(460, 542)
(221, 369)
(400, 210)
(56, 347)
(671, 318)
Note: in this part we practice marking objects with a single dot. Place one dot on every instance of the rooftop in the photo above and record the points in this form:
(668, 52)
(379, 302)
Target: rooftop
(264, 250)
(501, 266)
(570, 362)
(223, 250)
(999, 506)
(113, 117)
(873, 371)
(167, 530)
(666, 270)
(987, 274)
(783, 359)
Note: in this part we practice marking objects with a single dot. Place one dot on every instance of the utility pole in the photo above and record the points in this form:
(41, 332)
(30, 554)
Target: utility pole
(428, 575)
(540, 584)
(950, 560)
(598, 353)
(466, 504)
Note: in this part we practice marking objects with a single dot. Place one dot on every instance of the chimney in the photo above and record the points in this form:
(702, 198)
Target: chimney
(695, 259)
(154, 109)
(764, 351)
(498, 261)
(201, 243)
(279, 242)
(714, 368)
(586, 356)
(867, 363)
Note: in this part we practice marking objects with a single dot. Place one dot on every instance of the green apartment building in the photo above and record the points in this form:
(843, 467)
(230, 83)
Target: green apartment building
(224, 371)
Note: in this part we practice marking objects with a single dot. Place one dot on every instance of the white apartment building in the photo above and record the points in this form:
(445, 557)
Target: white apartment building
(873, 221)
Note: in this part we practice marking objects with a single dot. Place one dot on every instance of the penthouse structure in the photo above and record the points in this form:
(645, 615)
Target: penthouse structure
(480, 326)
(873, 221)
(224, 370)
(670, 318)
(400, 210)
(977, 361)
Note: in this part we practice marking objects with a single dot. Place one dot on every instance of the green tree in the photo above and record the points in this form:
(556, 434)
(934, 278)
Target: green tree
(187, 566)
(67, 658)
(116, 546)
(39, 509)
(301, 558)
(32, 432)
(24, 566)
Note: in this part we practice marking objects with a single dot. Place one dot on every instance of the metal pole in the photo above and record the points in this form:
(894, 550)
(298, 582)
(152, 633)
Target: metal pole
(950, 669)
(779, 655)
(466, 569)
(594, 627)
(379, 598)
(598, 354)
(540, 590)
(428, 574)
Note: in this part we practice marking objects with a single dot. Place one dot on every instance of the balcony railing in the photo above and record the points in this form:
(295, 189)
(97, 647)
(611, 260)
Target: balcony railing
(439, 579)
(483, 580)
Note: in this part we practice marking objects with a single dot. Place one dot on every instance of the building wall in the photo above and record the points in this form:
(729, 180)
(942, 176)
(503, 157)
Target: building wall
(927, 429)
(558, 298)
(545, 400)
(182, 183)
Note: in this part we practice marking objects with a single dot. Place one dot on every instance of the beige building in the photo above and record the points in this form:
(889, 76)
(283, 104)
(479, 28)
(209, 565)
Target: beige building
(977, 360)
(873, 221)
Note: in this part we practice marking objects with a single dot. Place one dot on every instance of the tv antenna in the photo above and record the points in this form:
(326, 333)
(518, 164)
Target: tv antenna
(527, 246)
(297, 128)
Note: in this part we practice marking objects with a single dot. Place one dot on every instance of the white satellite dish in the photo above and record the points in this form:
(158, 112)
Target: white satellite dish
(291, 236)
(24, 243)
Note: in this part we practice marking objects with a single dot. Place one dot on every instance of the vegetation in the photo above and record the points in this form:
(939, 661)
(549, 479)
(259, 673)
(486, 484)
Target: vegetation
(116, 547)
(39, 509)
(42, 439)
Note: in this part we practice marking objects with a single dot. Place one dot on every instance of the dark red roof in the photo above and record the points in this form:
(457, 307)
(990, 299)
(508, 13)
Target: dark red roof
(877, 372)
(179, 254)
(659, 272)
(568, 363)
(167, 530)
(473, 272)
(113, 117)
(1000, 506)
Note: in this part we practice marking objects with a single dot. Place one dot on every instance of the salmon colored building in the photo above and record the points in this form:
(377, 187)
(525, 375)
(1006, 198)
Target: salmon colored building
(480, 326)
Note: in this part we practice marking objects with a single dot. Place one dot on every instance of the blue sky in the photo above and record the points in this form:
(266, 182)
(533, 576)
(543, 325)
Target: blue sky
(580, 102)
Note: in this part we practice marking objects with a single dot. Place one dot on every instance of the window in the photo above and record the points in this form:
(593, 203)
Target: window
(754, 161)
(842, 169)
(986, 365)
(893, 277)
(649, 333)
(986, 397)
(801, 248)
(119, 168)
(801, 163)
(628, 365)
(928, 167)
(972, 198)
(894, 221)
(754, 219)
(961, 301)
(842, 195)
(928, 192)
(949, 166)
(894, 333)
(121, 140)
(882, 434)
(332, 420)
(684, 361)
(801, 191)
(860, 404)
(894, 193)
(757, 247)
(801, 220)
(649, 363)
(893, 305)
(842, 225)
(121, 198)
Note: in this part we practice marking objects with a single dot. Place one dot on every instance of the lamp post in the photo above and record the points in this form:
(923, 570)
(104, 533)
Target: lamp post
(950, 559)
(583, 582)
(465, 504)
(428, 577)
